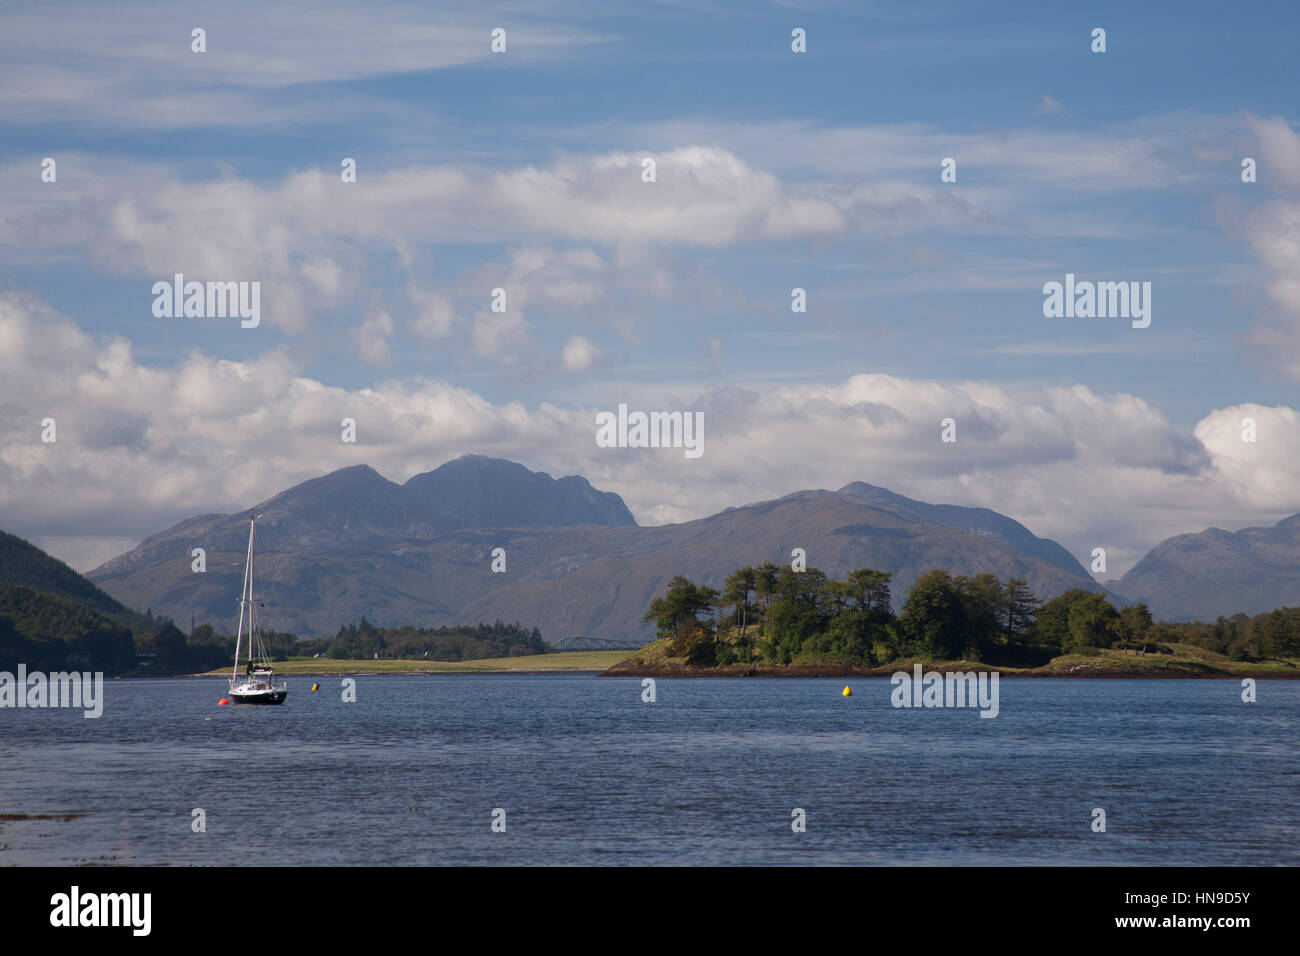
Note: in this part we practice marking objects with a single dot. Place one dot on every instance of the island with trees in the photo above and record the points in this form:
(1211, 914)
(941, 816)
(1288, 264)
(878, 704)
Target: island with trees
(770, 620)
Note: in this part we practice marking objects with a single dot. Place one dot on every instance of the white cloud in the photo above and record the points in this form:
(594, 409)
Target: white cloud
(1273, 231)
(370, 339)
(702, 196)
(131, 64)
(1279, 148)
(140, 447)
(1260, 472)
(565, 278)
(311, 239)
(434, 316)
(1147, 153)
(581, 354)
(306, 238)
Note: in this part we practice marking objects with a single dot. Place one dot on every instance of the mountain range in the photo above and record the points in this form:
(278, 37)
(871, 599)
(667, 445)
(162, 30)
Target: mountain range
(353, 543)
(1216, 572)
(577, 566)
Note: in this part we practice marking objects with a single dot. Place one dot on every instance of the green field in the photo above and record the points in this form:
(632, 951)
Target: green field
(1186, 661)
(574, 661)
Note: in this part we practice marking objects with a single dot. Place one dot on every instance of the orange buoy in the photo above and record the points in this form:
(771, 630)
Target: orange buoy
(223, 702)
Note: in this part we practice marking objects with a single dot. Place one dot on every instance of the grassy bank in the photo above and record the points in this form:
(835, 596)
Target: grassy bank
(532, 664)
(653, 660)
(1187, 660)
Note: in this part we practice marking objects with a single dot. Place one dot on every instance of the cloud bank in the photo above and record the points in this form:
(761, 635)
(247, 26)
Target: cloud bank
(139, 447)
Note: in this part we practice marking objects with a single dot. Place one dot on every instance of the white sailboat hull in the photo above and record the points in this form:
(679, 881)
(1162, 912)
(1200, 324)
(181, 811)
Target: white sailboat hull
(245, 692)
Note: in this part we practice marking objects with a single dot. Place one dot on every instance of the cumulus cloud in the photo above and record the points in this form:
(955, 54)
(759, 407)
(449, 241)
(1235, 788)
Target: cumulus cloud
(1273, 231)
(434, 316)
(305, 238)
(581, 354)
(565, 278)
(702, 196)
(1279, 149)
(370, 339)
(140, 447)
(1254, 448)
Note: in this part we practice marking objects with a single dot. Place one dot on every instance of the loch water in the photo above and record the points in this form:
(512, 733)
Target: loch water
(710, 773)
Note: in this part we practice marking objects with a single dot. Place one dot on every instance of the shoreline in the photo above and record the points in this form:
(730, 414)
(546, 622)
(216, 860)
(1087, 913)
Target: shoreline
(822, 671)
(390, 673)
(635, 664)
(562, 662)
(1170, 662)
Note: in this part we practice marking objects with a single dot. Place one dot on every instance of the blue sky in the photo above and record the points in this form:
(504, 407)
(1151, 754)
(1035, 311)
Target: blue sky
(774, 170)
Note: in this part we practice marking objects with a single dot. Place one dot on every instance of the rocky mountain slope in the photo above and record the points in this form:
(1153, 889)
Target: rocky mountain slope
(1216, 572)
(352, 543)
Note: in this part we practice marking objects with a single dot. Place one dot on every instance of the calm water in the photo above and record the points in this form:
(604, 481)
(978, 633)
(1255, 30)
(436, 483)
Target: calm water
(588, 774)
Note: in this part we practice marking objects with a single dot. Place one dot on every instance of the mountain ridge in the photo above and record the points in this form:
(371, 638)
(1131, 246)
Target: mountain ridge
(361, 505)
(1184, 577)
(351, 542)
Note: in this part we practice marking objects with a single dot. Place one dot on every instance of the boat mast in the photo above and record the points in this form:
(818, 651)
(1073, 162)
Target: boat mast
(248, 573)
(252, 601)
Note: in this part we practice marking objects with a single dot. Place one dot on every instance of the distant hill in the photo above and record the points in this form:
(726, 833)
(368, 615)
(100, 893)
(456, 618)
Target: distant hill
(47, 632)
(352, 543)
(25, 565)
(974, 520)
(51, 615)
(356, 508)
(51, 618)
(1216, 572)
(43, 616)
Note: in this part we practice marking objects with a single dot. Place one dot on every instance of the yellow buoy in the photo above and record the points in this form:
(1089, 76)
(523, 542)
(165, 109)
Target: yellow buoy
(847, 692)
(315, 686)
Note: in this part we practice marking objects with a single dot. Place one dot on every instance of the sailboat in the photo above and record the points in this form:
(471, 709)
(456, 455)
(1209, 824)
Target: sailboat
(257, 684)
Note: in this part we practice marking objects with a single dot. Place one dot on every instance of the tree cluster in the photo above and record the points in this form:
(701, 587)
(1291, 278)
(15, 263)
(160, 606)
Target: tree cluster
(50, 632)
(1272, 634)
(774, 614)
(461, 642)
